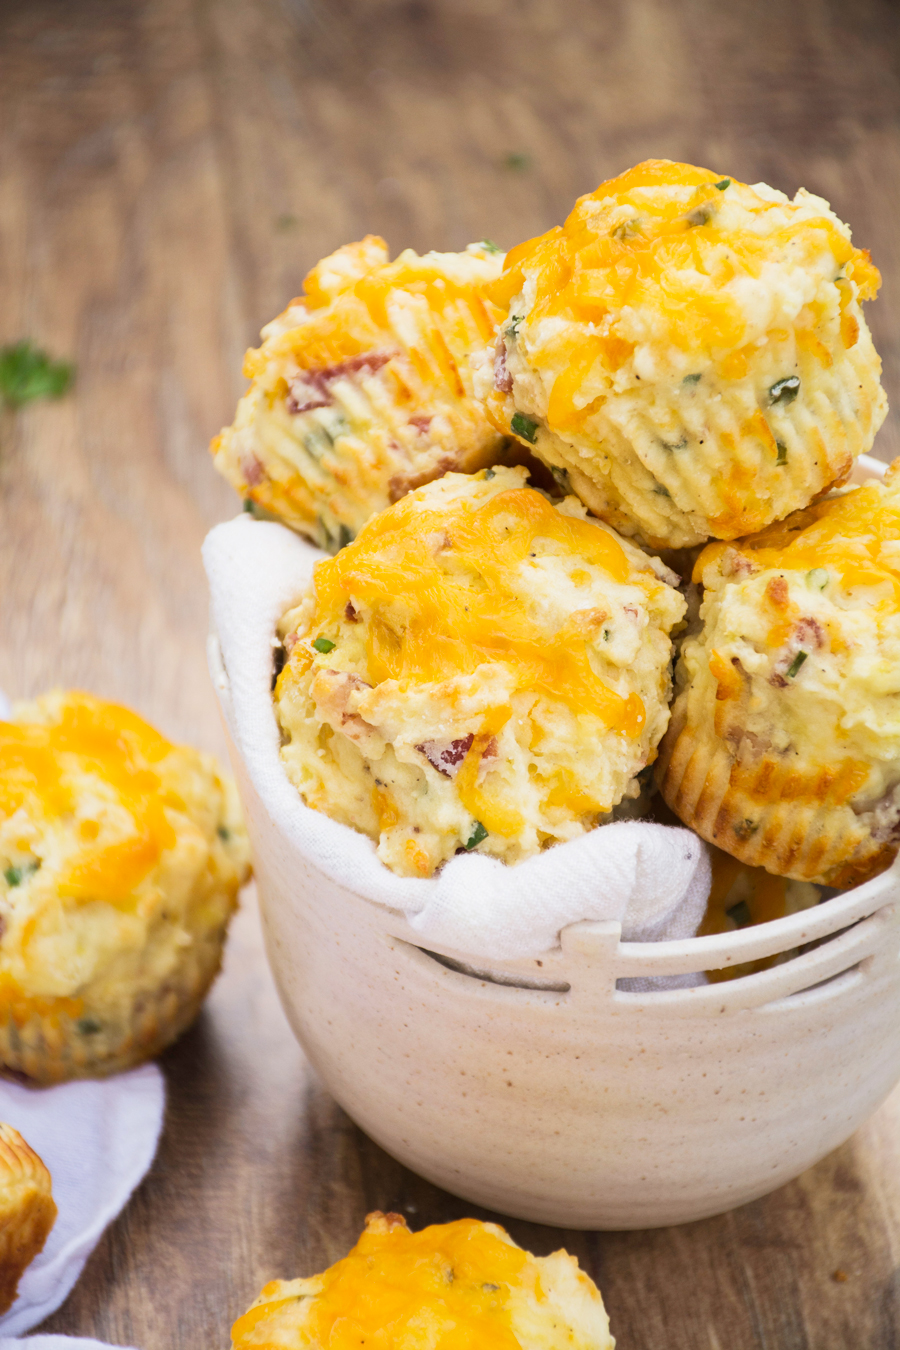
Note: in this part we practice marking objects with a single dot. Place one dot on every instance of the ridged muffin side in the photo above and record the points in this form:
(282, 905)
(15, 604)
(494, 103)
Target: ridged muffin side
(362, 389)
(27, 1210)
(784, 741)
(120, 860)
(689, 353)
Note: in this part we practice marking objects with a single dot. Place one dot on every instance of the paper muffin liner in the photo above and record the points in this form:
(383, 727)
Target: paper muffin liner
(679, 469)
(714, 787)
(27, 1210)
(46, 1041)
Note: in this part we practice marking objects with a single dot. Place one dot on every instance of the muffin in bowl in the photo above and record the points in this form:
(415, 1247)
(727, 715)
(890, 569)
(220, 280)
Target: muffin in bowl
(27, 1210)
(120, 860)
(784, 745)
(362, 389)
(450, 1285)
(481, 669)
(688, 352)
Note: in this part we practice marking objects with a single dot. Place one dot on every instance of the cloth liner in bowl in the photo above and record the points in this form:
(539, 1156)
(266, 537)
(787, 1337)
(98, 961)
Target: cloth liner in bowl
(653, 879)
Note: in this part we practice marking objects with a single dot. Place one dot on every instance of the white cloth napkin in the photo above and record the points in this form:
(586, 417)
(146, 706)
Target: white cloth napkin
(652, 878)
(57, 1343)
(98, 1139)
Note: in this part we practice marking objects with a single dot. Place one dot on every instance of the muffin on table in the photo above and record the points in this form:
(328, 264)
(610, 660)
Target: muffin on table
(784, 745)
(120, 860)
(362, 388)
(480, 669)
(688, 352)
(27, 1210)
(451, 1285)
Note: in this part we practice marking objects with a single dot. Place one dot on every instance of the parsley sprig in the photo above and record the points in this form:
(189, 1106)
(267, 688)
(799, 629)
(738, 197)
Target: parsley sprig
(27, 372)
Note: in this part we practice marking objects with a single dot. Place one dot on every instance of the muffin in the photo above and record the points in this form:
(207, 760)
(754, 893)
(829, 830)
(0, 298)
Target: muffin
(688, 353)
(784, 745)
(362, 388)
(120, 859)
(27, 1210)
(450, 1285)
(482, 669)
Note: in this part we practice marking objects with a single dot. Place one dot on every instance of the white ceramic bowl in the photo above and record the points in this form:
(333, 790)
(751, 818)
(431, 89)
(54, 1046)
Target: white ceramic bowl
(539, 1089)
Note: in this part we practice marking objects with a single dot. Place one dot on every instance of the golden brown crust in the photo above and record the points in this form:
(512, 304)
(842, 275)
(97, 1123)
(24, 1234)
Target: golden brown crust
(27, 1210)
(729, 797)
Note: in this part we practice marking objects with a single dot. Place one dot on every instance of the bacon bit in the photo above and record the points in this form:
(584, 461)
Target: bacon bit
(310, 389)
(735, 564)
(401, 483)
(777, 592)
(253, 470)
(446, 756)
(421, 424)
(490, 750)
(350, 613)
(502, 378)
(809, 632)
(630, 609)
(291, 641)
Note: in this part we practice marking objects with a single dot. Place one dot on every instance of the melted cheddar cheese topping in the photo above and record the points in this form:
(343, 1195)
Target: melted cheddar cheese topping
(362, 389)
(690, 351)
(455, 1286)
(118, 853)
(481, 664)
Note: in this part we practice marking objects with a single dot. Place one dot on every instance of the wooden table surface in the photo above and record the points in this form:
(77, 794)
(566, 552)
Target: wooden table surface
(169, 170)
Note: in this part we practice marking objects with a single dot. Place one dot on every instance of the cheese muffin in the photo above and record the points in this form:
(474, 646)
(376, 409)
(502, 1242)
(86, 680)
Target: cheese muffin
(448, 1286)
(120, 859)
(481, 669)
(784, 746)
(689, 353)
(362, 388)
(27, 1210)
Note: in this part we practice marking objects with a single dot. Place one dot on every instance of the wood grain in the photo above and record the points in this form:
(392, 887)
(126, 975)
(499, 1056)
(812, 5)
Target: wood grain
(169, 170)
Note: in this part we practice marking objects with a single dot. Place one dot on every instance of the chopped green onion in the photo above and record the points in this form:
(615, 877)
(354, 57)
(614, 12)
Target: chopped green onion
(818, 578)
(513, 326)
(692, 379)
(723, 184)
(16, 875)
(223, 832)
(88, 1026)
(518, 161)
(740, 914)
(475, 838)
(606, 635)
(662, 491)
(345, 536)
(782, 453)
(323, 645)
(491, 246)
(27, 373)
(786, 390)
(247, 505)
(796, 664)
(526, 427)
(489, 474)
(744, 828)
(562, 477)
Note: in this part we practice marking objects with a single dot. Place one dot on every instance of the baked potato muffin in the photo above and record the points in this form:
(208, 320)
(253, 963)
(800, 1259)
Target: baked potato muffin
(784, 745)
(27, 1210)
(688, 352)
(481, 669)
(120, 859)
(463, 1284)
(362, 388)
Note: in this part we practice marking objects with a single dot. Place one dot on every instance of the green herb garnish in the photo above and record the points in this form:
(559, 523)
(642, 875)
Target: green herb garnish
(740, 914)
(223, 832)
(785, 391)
(345, 536)
(692, 379)
(744, 828)
(16, 875)
(247, 505)
(518, 161)
(781, 457)
(489, 474)
(796, 664)
(27, 372)
(491, 246)
(723, 184)
(526, 427)
(323, 645)
(475, 838)
(818, 578)
(512, 327)
(88, 1026)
